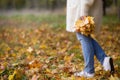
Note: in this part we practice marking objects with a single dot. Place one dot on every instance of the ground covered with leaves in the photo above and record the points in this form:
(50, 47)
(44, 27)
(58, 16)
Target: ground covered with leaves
(45, 51)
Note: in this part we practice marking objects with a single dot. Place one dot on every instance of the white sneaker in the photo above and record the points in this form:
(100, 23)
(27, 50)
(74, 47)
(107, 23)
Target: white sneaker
(84, 74)
(108, 65)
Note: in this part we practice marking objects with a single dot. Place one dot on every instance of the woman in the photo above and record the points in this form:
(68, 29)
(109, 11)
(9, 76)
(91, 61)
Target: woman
(75, 10)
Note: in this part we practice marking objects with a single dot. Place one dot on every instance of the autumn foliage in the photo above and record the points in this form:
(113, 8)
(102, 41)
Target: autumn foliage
(48, 53)
(85, 26)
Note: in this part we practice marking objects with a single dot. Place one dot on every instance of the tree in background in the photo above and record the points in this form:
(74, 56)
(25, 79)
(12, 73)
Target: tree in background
(118, 8)
(32, 4)
(11, 4)
(53, 4)
(106, 3)
(104, 7)
(21, 4)
(47, 4)
(116, 3)
(4, 4)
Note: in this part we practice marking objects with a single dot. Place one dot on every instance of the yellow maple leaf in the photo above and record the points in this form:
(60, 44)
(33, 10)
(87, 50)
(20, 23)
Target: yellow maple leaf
(11, 77)
(43, 46)
(30, 49)
(85, 26)
(35, 64)
(48, 70)
(90, 19)
(68, 59)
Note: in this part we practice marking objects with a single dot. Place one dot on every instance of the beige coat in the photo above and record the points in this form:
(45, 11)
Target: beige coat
(77, 8)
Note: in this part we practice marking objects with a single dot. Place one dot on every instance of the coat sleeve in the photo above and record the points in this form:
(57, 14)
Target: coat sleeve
(89, 3)
(76, 9)
(86, 6)
(83, 8)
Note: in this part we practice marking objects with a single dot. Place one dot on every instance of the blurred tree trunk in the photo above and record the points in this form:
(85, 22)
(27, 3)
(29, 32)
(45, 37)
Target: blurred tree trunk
(104, 7)
(47, 4)
(14, 4)
(118, 7)
(20, 4)
(35, 4)
(115, 2)
(119, 13)
(3, 4)
(53, 4)
(28, 3)
(32, 4)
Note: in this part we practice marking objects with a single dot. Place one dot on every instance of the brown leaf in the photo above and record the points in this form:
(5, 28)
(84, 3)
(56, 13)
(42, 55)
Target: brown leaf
(35, 77)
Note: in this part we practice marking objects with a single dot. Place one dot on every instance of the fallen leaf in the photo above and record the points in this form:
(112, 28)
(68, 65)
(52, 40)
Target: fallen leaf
(35, 77)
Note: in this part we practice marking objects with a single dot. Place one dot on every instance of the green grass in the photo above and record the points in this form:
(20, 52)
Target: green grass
(110, 20)
(53, 20)
(32, 18)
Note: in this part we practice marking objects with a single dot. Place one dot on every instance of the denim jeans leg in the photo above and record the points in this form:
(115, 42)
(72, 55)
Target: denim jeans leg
(88, 52)
(99, 53)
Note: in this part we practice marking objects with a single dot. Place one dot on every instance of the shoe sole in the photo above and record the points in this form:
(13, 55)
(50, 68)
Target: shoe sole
(77, 74)
(112, 66)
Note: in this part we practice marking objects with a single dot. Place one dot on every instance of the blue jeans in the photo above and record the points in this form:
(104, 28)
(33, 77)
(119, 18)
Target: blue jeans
(90, 48)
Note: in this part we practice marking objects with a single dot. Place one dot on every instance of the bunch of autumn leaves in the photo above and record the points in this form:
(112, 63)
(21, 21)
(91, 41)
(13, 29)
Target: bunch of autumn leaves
(85, 25)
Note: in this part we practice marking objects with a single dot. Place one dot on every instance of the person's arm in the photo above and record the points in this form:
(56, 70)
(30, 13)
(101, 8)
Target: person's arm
(83, 8)
(87, 5)
(89, 2)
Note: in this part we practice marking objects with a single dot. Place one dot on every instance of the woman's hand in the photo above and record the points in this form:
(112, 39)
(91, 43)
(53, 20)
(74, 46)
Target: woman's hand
(77, 30)
(82, 17)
